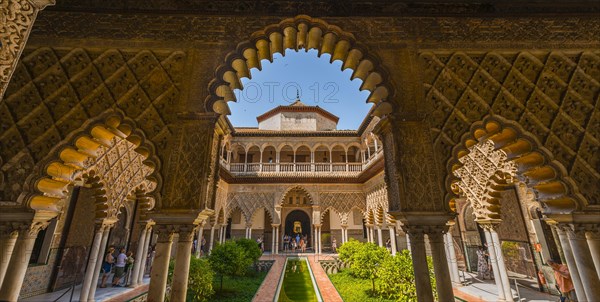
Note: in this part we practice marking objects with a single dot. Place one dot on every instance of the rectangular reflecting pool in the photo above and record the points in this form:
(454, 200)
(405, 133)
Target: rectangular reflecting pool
(297, 283)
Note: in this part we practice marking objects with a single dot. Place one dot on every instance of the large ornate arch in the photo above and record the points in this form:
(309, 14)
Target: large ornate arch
(110, 154)
(281, 200)
(342, 202)
(300, 32)
(249, 202)
(552, 94)
(492, 154)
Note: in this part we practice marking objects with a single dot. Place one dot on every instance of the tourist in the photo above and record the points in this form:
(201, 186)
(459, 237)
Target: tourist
(119, 268)
(483, 268)
(302, 245)
(297, 238)
(388, 245)
(260, 243)
(564, 283)
(286, 242)
(107, 264)
(202, 244)
(128, 264)
(293, 243)
(334, 245)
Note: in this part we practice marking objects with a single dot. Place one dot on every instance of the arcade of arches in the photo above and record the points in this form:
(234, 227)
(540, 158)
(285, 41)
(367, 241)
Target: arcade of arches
(485, 129)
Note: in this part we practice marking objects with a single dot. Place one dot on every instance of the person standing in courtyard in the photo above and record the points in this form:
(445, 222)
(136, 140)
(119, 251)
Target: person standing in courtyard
(483, 268)
(107, 265)
(563, 281)
(334, 245)
(260, 244)
(119, 268)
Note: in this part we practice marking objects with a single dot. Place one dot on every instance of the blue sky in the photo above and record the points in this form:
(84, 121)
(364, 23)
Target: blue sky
(277, 82)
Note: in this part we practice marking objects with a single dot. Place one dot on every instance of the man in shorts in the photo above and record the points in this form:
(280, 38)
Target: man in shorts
(119, 268)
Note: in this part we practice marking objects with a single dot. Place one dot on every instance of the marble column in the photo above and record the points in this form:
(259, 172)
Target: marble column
(212, 238)
(593, 239)
(501, 265)
(199, 242)
(182, 263)
(585, 262)
(344, 229)
(440, 264)
(419, 260)
(277, 239)
(7, 245)
(393, 240)
(98, 267)
(139, 256)
(13, 280)
(408, 243)
(91, 266)
(570, 259)
(273, 236)
(379, 236)
(160, 267)
(140, 276)
(371, 237)
(249, 233)
(319, 242)
(453, 263)
(494, 264)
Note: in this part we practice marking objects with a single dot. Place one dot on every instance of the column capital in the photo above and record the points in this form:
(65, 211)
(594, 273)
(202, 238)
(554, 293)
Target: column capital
(165, 233)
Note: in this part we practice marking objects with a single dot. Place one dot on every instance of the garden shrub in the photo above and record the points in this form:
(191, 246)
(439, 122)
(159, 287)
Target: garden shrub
(348, 249)
(367, 261)
(251, 247)
(200, 280)
(229, 259)
(397, 277)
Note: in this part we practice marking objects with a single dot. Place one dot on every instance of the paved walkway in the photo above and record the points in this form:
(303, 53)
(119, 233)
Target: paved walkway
(486, 290)
(328, 291)
(266, 291)
(108, 294)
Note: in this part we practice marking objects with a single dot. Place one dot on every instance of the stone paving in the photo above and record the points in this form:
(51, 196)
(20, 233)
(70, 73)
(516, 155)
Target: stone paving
(328, 291)
(108, 294)
(266, 291)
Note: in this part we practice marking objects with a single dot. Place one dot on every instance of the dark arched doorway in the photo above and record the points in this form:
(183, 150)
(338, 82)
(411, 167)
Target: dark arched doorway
(294, 218)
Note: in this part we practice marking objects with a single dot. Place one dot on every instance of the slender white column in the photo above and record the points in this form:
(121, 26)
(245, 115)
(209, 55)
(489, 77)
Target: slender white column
(91, 266)
(182, 263)
(140, 276)
(452, 257)
(319, 238)
(99, 260)
(13, 281)
(379, 236)
(212, 238)
(571, 263)
(343, 234)
(408, 243)
(501, 266)
(249, 233)
(440, 265)
(199, 244)
(371, 234)
(273, 236)
(160, 267)
(593, 239)
(277, 239)
(393, 239)
(585, 263)
(139, 256)
(419, 259)
(494, 263)
(7, 245)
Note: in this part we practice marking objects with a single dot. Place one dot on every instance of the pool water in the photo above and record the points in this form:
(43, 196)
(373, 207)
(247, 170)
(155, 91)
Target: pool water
(297, 284)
